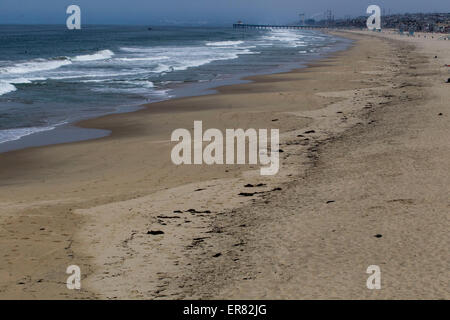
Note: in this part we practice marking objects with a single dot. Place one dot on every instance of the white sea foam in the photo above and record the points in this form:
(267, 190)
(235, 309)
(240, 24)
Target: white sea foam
(136, 49)
(143, 59)
(145, 84)
(96, 80)
(224, 43)
(168, 59)
(98, 74)
(17, 133)
(26, 80)
(34, 66)
(40, 65)
(289, 38)
(137, 83)
(139, 90)
(100, 55)
(6, 87)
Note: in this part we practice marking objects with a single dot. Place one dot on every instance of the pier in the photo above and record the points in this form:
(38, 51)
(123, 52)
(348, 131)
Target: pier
(269, 26)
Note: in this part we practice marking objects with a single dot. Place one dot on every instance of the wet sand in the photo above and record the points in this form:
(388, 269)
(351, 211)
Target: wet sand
(375, 162)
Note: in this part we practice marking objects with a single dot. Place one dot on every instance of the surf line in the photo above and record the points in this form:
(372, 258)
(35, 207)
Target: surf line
(235, 151)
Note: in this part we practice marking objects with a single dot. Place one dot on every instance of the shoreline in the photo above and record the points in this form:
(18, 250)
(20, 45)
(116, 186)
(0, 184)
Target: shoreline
(74, 132)
(91, 203)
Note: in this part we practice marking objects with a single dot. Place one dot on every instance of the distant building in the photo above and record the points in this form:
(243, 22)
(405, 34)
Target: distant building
(423, 22)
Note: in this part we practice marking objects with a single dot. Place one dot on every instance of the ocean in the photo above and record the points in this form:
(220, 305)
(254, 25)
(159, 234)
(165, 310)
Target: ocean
(51, 77)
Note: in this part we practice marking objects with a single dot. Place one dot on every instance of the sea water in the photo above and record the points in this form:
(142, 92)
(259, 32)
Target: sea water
(51, 76)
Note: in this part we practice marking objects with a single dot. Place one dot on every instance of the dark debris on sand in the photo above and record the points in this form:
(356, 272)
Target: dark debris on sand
(155, 233)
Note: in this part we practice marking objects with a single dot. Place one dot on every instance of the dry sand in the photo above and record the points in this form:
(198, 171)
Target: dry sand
(377, 163)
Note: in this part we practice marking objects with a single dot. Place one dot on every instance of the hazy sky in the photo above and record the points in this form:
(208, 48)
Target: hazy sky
(212, 12)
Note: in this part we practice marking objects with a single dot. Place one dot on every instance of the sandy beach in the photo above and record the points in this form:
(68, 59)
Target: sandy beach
(364, 180)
